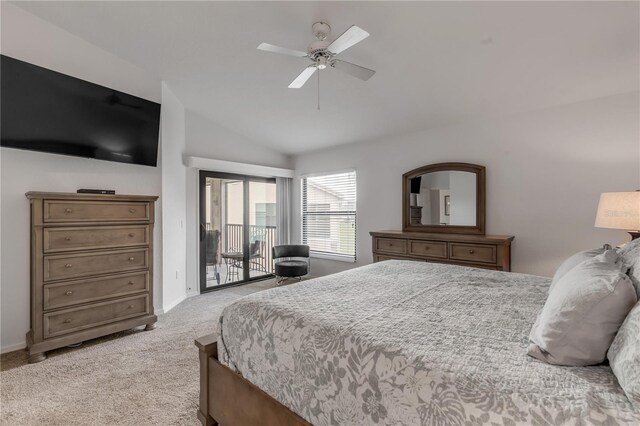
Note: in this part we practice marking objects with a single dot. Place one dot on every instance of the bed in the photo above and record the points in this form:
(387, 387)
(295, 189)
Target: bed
(397, 342)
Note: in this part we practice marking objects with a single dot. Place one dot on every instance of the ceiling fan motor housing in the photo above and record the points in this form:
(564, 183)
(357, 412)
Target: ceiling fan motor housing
(318, 49)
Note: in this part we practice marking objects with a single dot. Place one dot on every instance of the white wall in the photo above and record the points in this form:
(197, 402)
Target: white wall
(210, 140)
(545, 172)
(174, 218)
(28, 38)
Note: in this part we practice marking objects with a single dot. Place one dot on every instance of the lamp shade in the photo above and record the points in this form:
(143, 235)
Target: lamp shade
(619, 210)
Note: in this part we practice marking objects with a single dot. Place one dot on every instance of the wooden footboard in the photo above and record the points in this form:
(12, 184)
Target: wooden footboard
(228, 399)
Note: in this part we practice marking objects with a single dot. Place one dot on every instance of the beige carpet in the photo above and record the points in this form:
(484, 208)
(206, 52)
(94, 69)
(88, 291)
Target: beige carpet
(132, 378)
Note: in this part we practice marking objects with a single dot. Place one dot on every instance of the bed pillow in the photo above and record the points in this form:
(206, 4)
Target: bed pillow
(583, 313)
(624, 356)
(574, 260)
(631, 256)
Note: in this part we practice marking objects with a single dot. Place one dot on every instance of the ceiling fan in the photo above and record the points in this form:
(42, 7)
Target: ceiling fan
(322, 53)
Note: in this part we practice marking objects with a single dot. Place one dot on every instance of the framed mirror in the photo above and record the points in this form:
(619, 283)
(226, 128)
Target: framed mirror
(444, 198)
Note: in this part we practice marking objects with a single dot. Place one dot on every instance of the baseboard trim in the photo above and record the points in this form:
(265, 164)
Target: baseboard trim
(173, 304)
(14, 347)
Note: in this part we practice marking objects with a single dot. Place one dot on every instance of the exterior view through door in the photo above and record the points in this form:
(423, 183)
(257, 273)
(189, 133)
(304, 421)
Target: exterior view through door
(237, 228)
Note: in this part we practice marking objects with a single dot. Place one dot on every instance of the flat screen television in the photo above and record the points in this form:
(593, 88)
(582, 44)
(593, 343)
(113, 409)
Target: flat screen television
(43, 110)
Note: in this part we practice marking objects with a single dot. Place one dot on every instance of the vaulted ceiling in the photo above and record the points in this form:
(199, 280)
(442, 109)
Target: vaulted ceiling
(437, 63)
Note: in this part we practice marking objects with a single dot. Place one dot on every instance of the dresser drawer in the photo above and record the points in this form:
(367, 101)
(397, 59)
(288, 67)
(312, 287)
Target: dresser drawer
(428, 249)
(76, 319)
(382, 257)
(83, 291)
(63, 239)
(473, 252)
(94, 211)
(59, 267)
(391, 245)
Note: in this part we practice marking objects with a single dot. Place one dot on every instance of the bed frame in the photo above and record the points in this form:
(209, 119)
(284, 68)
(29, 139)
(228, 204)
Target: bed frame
(227, 398)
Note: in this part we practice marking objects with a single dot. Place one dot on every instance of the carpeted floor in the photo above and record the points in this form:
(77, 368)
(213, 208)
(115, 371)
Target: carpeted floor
(131, 378)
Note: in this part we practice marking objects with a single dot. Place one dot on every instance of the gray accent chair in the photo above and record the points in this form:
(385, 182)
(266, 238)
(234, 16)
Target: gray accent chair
(291, 261)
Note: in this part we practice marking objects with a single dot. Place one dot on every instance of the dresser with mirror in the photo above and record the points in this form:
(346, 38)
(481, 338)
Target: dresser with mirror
(443, 220)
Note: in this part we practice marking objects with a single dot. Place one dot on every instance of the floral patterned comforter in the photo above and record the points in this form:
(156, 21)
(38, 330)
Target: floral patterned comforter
(408, 343)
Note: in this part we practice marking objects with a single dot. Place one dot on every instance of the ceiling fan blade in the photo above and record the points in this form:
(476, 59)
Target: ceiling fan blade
(283, 50)
(302, 78)
(348, 38)
(352, 69)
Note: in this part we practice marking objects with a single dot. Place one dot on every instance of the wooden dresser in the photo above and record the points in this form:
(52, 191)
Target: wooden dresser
(480, 251)
(91, 267)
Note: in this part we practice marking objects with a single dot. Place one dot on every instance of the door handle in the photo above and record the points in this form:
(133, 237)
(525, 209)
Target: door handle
(202, 232)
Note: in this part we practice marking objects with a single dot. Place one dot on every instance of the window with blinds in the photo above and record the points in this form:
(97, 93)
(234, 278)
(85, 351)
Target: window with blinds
(329, 214)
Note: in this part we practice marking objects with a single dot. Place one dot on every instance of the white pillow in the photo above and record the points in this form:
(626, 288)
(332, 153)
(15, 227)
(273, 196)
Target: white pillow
(631, 256)
(583, 313)
(624, 356)
(574, 260)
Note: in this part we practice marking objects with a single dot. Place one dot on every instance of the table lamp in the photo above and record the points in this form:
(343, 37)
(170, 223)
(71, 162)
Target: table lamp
(620, 210)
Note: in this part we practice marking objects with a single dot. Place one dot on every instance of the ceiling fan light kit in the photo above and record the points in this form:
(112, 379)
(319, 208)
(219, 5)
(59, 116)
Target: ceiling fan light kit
(323, 54)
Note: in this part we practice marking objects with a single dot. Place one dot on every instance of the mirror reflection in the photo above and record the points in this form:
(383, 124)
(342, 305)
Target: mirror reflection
(446, 198)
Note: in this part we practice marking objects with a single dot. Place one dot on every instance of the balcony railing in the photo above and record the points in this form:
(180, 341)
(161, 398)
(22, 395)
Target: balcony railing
(262, 260)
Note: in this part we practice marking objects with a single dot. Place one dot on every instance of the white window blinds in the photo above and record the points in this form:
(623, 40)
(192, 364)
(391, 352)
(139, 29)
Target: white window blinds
(329, 214)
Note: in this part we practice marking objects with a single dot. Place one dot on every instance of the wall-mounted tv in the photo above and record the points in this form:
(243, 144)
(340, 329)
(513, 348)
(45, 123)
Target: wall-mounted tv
(43, 110)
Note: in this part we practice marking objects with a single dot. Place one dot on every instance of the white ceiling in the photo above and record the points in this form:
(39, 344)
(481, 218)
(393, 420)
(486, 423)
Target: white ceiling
(437, 63)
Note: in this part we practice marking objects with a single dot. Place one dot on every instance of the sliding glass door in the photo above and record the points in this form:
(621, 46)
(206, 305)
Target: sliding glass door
(237, 228)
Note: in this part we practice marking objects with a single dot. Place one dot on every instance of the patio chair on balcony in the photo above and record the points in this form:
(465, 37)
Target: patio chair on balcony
(256, 256)
(211, 253)
(291, 261)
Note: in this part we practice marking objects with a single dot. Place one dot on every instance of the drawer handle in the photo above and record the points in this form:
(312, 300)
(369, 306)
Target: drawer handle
(68, 265)
(471, 251)
(67, 321)
(69, 293)
(68, 210)
(67, 238)
(131, 282)
(132, 235)
(132, 210)
(131, 259)
(131, 306)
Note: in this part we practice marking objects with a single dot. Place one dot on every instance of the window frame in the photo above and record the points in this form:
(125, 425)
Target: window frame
(324, 254)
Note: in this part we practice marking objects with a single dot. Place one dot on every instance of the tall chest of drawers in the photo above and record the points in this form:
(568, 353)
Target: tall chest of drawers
(478, 251)
(91, 267)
